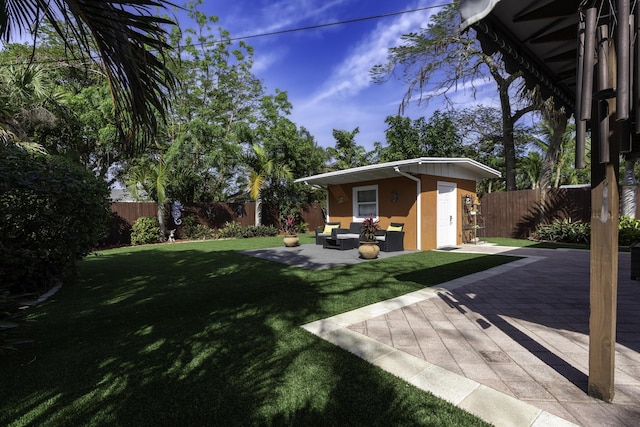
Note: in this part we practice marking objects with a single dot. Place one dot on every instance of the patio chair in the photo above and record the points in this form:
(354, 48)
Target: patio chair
(391, 239)
(344, 238)
(324, 231)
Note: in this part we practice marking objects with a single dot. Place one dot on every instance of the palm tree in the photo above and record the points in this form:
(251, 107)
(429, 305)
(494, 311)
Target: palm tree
(151, 177)
(24, 93)
(531, 167)
(262, 169)
(129, 42)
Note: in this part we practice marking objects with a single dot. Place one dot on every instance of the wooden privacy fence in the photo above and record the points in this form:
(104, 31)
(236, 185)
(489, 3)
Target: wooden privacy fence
(518, 213)
(213, 215)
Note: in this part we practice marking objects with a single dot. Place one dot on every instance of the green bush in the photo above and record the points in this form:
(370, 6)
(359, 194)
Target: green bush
(52, 213)
(302, 227)
(145, 230)
(629, 231)
(193, 230)
(579, 232)
(233, 230)
(230, 230)
(564, 230)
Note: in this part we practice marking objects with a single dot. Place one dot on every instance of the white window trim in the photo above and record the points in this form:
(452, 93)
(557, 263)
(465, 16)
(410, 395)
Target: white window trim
(355, 201)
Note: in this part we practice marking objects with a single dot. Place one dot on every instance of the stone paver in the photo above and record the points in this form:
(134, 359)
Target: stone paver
(510, 345)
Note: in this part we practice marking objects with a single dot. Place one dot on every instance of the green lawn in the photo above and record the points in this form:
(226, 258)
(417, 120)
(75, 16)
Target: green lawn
(520, 243)
(200, 334)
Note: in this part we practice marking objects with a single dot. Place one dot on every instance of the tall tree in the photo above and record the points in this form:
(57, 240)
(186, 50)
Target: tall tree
(482, 130)
(288, 145)
(148, 179)
(529, 170)
(75, 118)
(409, 139)
(25, 93)
(214, 112)
(263, 171)
(440, 59)
(558, 165)
(347, 153)
(129, 42)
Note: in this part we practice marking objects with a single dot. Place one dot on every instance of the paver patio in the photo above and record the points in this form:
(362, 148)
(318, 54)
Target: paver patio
(510, 344)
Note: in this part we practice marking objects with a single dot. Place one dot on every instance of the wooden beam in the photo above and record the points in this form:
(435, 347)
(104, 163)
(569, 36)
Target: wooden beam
(338, 193)
(604, 255)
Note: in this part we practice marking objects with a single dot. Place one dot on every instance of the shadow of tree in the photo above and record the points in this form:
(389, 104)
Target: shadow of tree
(558, 205)
(188, 335)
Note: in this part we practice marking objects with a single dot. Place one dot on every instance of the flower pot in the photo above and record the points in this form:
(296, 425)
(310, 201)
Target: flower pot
(369, 250)
(291, 241)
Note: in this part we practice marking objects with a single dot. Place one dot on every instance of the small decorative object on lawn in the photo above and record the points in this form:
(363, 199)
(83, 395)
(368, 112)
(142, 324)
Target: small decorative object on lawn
(290, 238)
(369, 249)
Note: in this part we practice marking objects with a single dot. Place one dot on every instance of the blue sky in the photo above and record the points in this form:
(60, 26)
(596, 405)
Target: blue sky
(325, 71)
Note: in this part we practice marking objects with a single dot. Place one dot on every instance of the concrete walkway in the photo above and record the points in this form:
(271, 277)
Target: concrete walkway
(509, 344)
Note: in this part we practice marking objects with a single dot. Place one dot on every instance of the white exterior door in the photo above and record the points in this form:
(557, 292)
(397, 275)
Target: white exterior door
(447, 214)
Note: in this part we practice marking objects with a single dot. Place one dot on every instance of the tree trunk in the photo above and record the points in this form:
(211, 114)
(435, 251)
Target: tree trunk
(508, 143)
(559, 125)
(628, 198)
(258, 220)
(161, 222)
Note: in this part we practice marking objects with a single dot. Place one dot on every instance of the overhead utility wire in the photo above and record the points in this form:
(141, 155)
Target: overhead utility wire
(330, 24)
(294, 30)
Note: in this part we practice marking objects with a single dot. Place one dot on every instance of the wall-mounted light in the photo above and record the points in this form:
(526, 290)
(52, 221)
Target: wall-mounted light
(394, 197)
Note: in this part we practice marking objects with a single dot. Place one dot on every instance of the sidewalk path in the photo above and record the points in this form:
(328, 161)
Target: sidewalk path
(509, 344)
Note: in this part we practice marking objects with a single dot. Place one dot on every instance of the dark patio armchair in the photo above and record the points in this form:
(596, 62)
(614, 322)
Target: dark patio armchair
(391, 239)
(324, 231)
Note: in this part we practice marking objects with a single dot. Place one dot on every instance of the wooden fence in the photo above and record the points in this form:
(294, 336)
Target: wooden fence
(213, 215)
(518, 213)
(510, 214)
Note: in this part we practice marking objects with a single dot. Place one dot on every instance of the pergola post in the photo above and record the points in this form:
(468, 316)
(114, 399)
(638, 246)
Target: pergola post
(604, 234)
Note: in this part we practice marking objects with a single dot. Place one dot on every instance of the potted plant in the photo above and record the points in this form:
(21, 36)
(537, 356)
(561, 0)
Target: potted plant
(290, 236)
(369, 248)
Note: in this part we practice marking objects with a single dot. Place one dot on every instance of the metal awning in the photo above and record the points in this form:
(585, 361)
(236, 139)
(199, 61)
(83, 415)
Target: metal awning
(461, 168)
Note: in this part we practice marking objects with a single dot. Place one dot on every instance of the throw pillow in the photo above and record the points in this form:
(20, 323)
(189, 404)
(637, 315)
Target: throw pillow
(328, 228)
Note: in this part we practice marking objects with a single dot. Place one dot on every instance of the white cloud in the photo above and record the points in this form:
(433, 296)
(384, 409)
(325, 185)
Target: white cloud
(286, 14)
(265, 58)
(352, 75)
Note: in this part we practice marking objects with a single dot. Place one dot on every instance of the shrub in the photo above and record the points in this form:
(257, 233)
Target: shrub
(193, 230)
(145, 230)
(629, 231)
(260, 231)
(231, 230)
(302, 227)
(52, 213)
(234, 230)
(564, 230)
(578, 232)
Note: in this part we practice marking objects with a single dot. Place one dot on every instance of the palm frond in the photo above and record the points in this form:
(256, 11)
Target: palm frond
(130, 42)
(256, 181)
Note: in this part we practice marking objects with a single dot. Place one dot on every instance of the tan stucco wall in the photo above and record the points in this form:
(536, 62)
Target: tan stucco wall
(430, 207)
(404, 209)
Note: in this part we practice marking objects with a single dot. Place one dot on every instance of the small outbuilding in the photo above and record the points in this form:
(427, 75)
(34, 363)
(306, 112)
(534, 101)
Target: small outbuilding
(426, 194)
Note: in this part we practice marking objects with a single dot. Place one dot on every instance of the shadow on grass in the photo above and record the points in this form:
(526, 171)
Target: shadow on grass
(194, 336)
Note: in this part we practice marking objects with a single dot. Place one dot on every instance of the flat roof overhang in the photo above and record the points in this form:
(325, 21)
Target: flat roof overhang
(460, 168)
